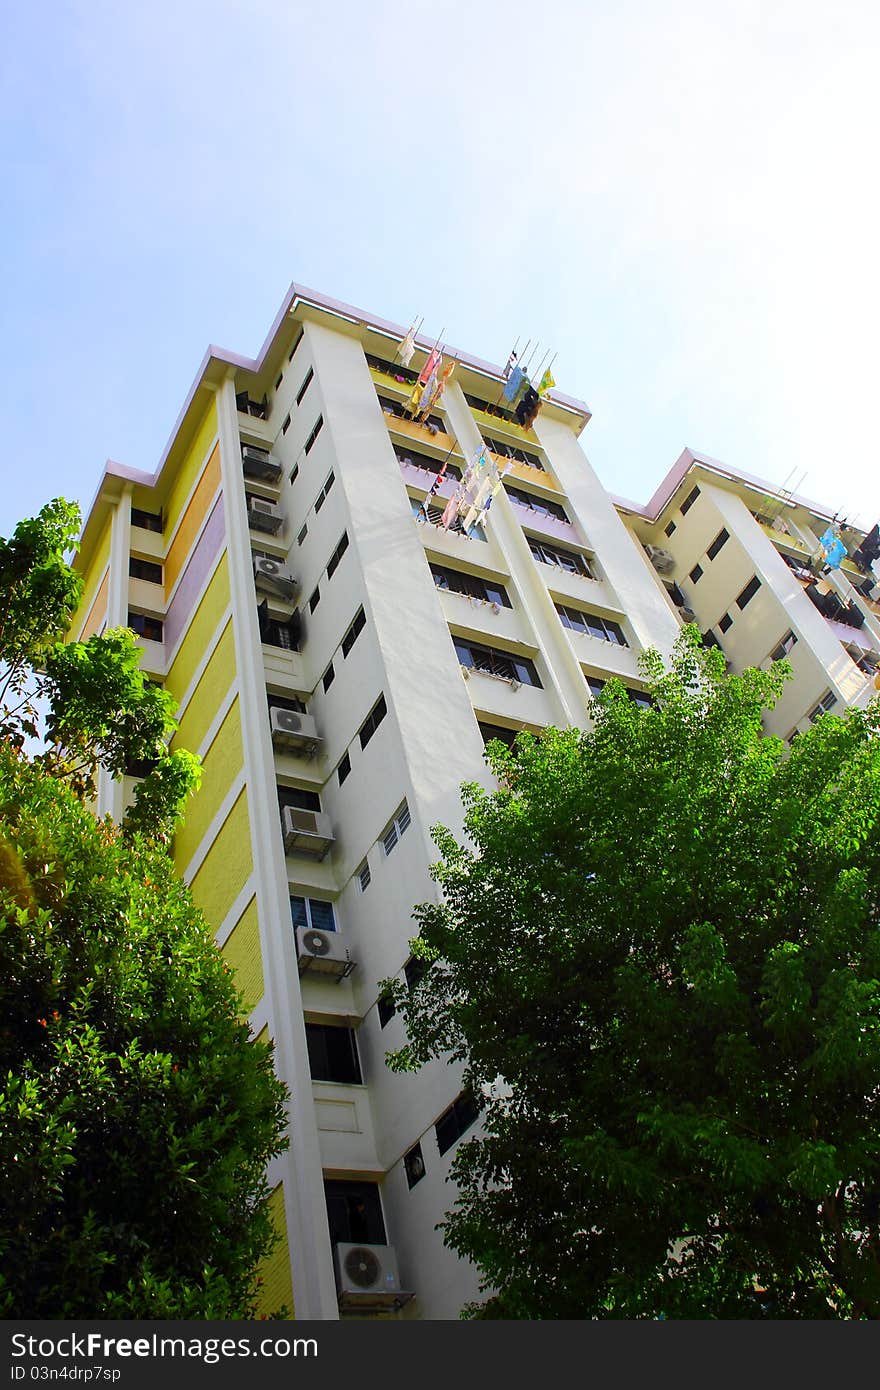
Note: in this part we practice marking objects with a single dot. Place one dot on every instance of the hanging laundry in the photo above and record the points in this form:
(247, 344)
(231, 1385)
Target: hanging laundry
(450, 511)
(513, 383)
(431, 363)
(546, 383)
(440, 384)
(511, 363)
(407, 348)
(524, 386)
(835, 550)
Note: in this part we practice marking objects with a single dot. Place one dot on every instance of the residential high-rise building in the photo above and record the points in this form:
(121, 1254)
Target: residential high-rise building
(294, 587)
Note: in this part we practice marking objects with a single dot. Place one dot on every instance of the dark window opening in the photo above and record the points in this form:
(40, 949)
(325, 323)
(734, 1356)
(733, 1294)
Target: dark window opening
(414, 1165)
(333, 1054)
(285, 633)
(385, 1009)
(513, 451)
(344, 768)
(489, 590)
(304, 388)
(425, 463)
(355, 628)
(299, 798)
(296, 342)
(145, 626)
(314, 434)
(322, 495)
(496, 663)
(354, 1213)
(748, 592)
(696, 574)
(287, 702)
(372, 721)
(329, 676)
(720, 540)
(689, 500)
(394, 369)
(489, 408)
(563, 559)
(314, 600)
(246, 406)
(669, 528)
(415, 971)
(592, 624)
(490, 731)
(145, 569)
(398, 410)
(337, 555)
(725, 622)
(453, 1122)
(147, 521)
(535, 503)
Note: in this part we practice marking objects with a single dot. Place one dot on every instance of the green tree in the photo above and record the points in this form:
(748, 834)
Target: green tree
(136, 1118)
(658, 957)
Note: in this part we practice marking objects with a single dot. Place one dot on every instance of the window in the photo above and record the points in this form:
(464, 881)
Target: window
(337, 555)
(344, 768)
(536, 503)
(285, 702)
(284, 428)
(636, 697)
(415, 971)
(145, 626)
(748, 592)
(355, 628)
(313, 912)
(315, 599)
(709, 640)
(490, 731)
(333, 1053)
(299, 798)
(593, 624)
(724, 622)
(304, 388)
(495, 663)
(453, 1122)
(279, 381)
(513, 451)
(147, 521)
(414, 1165)
(322, 495)
(434, 516)
(398, 410)
(400, 823)
(489, 590)
(395, 369)
(720, 540)
(364, 876)
(822, 706)
(279, 632)
(329, 676)
(302, 535)
(372, 721)
(689, 501)
(489, 409)
(668, 530)
(425, 463)
(568, 560)
(314, 434)
(385, 1009)
(784, 647)
(145, 569)
(696, 574)
(354, 1213)
(296, 342)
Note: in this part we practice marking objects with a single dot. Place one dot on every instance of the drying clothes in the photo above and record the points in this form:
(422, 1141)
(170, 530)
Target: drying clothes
(407, 348)
(546, 383)
(513, 383)
(430, 367)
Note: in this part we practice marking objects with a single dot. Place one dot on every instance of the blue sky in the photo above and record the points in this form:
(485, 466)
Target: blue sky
(679, 199)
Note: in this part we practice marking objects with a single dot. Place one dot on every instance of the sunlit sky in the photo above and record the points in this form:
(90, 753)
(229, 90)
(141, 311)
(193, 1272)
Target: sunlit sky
(679, 200)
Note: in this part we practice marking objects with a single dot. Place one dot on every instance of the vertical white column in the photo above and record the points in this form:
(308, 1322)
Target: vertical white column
(314, 1287)
(110, 789)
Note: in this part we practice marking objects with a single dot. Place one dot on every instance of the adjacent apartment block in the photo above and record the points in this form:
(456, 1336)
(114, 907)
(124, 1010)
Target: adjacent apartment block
(339, 658)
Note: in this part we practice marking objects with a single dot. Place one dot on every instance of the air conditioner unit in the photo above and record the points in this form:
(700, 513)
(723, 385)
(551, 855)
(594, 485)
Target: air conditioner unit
(294, 731)
(662, 560)
(306, 832)
(322, 952)
(367, 1277)
(272, 576)
(265, 516)
(687, 614)
(259, 463)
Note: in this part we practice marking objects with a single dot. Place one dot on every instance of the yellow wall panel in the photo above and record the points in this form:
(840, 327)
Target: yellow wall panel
(201, 629)
(227, 866)
(188, 469)
(98, 610)
(276, 1288)
(242, 951)
(196, 511)
(93, 576)
(209, 694)
(220, 766)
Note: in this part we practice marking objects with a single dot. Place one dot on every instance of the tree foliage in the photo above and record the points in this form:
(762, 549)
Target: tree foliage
(659, 957)
(136, 1118)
